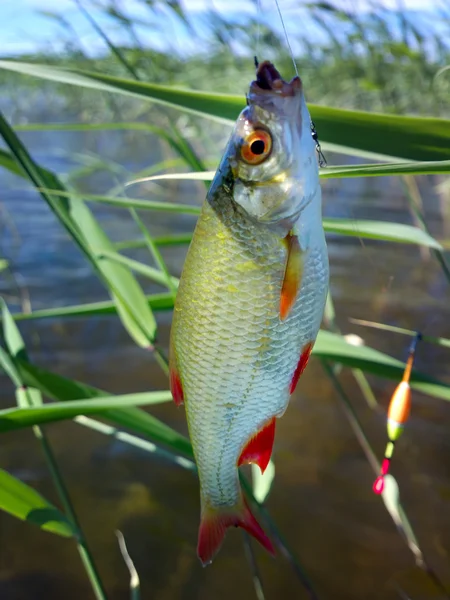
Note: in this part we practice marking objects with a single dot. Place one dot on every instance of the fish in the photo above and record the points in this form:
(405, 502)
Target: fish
(250, 300)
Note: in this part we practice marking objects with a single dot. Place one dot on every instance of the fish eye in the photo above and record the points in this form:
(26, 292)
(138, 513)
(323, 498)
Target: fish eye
(256, 147)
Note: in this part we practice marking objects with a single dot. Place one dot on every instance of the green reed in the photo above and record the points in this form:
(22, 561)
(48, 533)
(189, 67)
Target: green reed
(364, 67)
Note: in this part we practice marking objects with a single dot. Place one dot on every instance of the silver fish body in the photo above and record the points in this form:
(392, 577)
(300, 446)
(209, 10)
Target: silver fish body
(234, 357)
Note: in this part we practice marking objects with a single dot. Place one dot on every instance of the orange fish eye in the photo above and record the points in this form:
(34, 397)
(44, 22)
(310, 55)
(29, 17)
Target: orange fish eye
(256, 147)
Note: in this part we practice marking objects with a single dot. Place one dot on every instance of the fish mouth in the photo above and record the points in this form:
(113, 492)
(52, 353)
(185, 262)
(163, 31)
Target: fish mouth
(269, 81)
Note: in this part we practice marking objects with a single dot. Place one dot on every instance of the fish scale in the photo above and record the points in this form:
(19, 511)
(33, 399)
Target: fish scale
(232, 348)
(233, 353)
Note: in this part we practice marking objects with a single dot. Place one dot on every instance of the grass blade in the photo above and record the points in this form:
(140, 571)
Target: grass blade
(7, 161)
(391, 496)
(138, 267)
(166, 240)
(333, 347)
(387, 170)
(11, 334)
(439, 341)
(90, 309)
(186, 209)
(62, 389)
(136, 442)
(375, 230)
(380, 230)
(171, 283)
(437, 167)
(29, 399)
(414, 199)
(76, 217)
(24, 503)
(262, 482)
(18, 418)
(256, 576)
(134, 577)
(413, 138)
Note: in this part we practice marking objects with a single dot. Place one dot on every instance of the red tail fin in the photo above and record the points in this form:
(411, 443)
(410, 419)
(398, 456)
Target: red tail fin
(214, 524)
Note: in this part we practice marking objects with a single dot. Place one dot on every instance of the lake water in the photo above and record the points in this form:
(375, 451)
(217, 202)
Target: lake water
(322, 499)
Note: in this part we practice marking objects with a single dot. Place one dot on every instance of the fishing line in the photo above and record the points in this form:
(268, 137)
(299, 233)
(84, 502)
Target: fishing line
(322, 160)
(320, 156)
(258, 30)
(287, 38)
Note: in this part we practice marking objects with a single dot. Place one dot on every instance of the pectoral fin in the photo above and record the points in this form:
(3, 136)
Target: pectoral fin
(258, 449)
(292, 275)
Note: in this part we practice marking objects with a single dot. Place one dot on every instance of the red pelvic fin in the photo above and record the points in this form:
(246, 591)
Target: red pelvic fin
(175, 382)
(176, 388)
(303, 361)
(215, 522)
(292, 275)
(258, 449)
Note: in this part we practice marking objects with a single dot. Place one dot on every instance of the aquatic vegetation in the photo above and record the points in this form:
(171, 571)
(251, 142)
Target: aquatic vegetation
(404, 146)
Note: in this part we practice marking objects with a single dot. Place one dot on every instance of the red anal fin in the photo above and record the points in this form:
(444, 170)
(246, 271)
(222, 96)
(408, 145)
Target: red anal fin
(303, 361)
(175, 382)
(215, 522)
(258, 449)
(292, 275)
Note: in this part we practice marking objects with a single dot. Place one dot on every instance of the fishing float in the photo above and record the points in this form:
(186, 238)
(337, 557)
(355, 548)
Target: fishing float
(398, 414)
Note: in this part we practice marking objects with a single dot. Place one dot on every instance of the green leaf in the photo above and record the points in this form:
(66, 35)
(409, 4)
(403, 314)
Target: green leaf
(197, 176)
(221, 106)
(130, 202)
(439, 341)
(8, 161)
(3, 264)
(26, 397)
(13, 339)
(413, 138)
(137, 442)
(334, 347)
(166, 240)
(391, 499)
(377, 230)
(337, 172)
(21, 501)
(138, 267)
(84, 229)
(134, 577)
(8, 365)
(63, 389)
(24, 416)
(130, 299)
(171, 283)
(386, 170)
(262, 482)
(380, 230)
(155, 301)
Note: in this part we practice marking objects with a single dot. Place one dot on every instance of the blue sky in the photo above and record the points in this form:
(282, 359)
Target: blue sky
(24, 29)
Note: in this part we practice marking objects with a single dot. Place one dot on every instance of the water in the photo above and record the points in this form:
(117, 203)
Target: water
(322, 500)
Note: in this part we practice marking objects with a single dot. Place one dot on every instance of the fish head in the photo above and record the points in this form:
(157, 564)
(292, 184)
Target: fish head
(271, 157)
